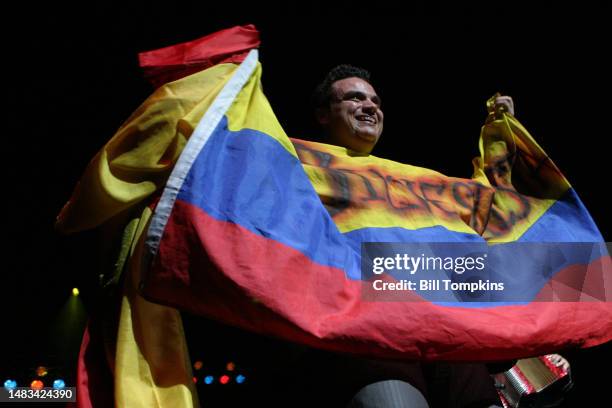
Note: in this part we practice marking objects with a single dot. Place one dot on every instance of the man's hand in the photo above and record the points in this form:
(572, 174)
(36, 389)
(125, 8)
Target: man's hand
(504, 103)
(559, 361)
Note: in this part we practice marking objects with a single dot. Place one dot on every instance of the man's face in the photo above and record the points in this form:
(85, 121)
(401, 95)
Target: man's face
(354, 119)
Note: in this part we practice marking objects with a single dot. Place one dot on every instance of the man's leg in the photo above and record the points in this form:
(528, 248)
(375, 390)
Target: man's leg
(388, 394)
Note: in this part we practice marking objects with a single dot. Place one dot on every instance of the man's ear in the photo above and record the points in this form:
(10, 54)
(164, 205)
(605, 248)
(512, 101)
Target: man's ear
(322, 116)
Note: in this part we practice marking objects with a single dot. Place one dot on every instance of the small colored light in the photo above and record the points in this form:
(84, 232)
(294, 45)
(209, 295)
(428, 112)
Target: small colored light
(197, 365)
(75, 292)
(37, 385)
(41, 371)
(59, 384)
(224, 379)
(209, 379)
(195, 380)
(230, 366)
(10, 384)
(240, 378)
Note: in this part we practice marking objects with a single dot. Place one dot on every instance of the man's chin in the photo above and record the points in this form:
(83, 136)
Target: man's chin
(365, 143)
(368, 137)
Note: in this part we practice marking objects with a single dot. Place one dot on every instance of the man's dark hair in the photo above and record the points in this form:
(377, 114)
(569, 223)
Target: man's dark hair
(322, 94)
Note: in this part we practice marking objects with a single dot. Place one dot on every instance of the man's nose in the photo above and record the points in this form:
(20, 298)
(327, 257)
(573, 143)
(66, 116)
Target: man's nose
(369, 106)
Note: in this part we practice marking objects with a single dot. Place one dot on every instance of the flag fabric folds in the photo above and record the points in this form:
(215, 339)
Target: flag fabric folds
(264, 232)
(117, 188)
(168, 64)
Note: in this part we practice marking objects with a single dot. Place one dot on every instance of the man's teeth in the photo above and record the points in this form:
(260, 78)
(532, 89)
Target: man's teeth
(368, 119)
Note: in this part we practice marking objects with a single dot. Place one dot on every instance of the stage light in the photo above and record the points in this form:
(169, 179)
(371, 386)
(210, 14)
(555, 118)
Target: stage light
(197, 365)
(230, 366)
(37, 385)
(224, 379)
(59, 384)
(209, 379)
(41, 371)
(240, 378)
(195, 380)
(10, 384)
(75, 292)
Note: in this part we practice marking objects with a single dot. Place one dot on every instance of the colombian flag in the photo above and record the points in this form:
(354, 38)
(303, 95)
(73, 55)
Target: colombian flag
(265, 233)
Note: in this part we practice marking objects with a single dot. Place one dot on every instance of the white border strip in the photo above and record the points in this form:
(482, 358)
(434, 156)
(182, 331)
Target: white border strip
(196, 143)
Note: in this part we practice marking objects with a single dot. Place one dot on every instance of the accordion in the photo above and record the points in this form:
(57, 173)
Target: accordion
(533, 382)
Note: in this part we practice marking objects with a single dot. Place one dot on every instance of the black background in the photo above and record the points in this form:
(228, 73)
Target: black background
(73, 77)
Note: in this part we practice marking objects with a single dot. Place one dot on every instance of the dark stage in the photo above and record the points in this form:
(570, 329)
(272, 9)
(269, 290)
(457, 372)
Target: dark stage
(74, 78)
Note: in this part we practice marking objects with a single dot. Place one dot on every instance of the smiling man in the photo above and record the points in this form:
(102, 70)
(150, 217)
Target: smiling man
(348, 108)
